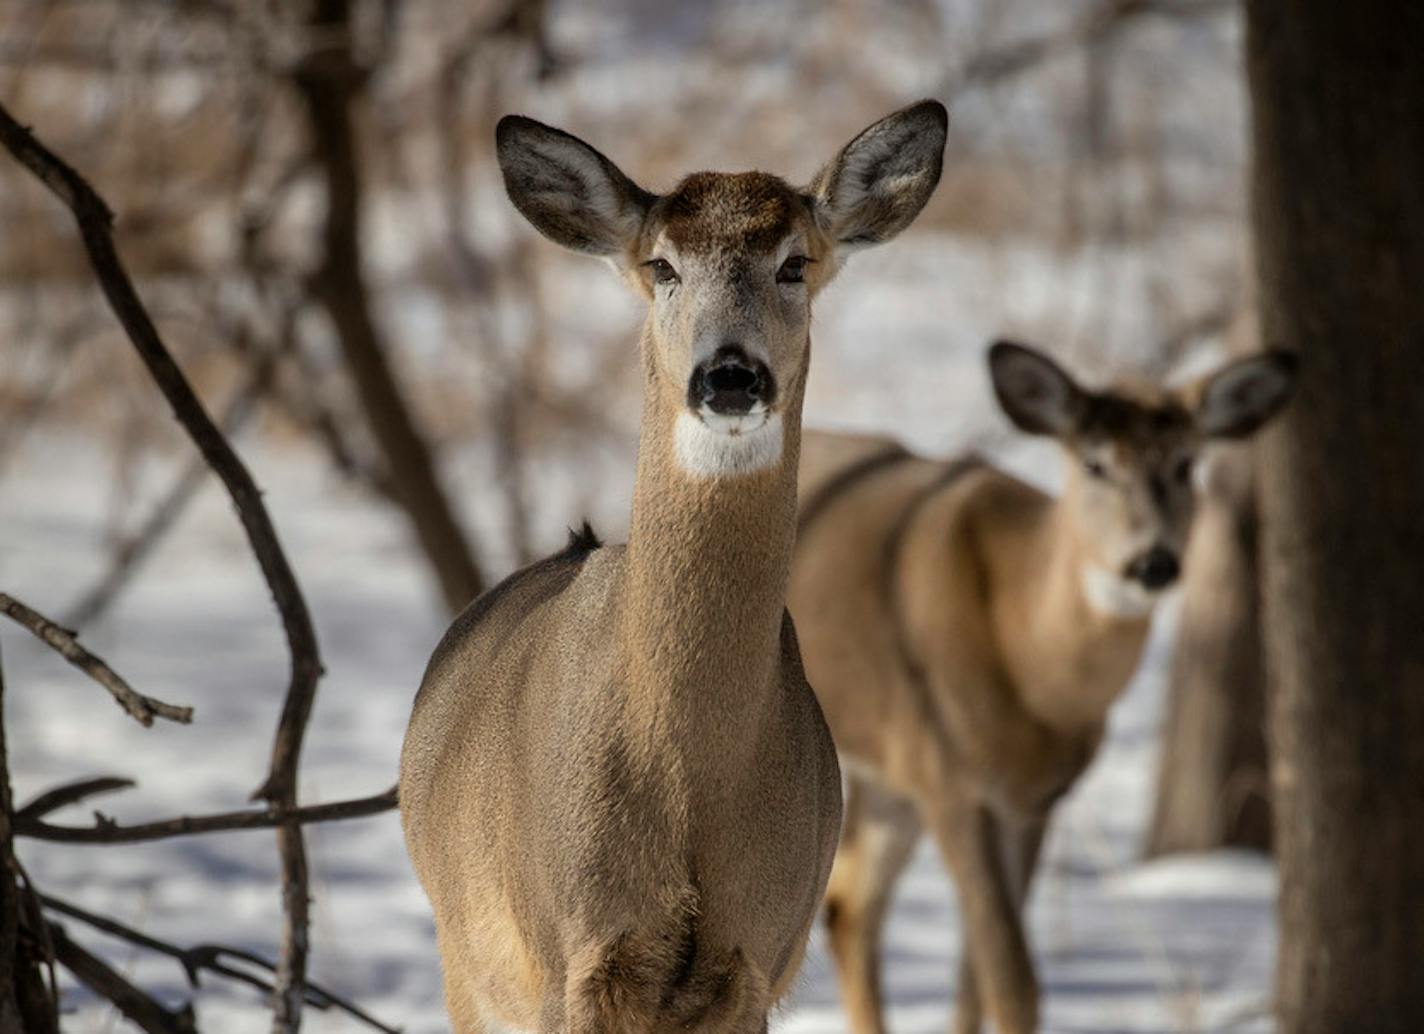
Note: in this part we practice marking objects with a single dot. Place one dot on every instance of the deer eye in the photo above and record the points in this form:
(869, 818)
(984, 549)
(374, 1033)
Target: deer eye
(1183, 470)
(662, 271)
(1095, 468)
(793, 270)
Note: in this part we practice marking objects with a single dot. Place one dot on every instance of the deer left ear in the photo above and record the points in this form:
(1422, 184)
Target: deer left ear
(1237, 401)
(1034, 391)
(881, 180)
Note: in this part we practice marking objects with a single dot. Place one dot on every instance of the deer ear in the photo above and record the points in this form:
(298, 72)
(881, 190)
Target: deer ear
(572, 194)
(1237, 401)
(877, 185)
(1034, 391)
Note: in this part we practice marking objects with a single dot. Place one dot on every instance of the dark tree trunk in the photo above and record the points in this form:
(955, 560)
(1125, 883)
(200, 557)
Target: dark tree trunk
(329, 82)
(24, 1002)
(1212, 788)
(1338, 194)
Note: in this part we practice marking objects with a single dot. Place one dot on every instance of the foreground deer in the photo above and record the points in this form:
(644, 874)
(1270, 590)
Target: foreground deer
(617, 788)
(966, 635)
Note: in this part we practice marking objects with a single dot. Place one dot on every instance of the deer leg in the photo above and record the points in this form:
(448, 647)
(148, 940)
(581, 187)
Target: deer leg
(877, 837)
(1019, 844)
(1003, 983)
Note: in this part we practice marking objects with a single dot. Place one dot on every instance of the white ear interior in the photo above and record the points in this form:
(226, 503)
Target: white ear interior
(567, 190)
(881, 180)
(1239, 399)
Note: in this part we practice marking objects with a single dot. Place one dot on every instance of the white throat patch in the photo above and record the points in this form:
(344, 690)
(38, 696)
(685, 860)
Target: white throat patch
(712, 445)
(1114, 595)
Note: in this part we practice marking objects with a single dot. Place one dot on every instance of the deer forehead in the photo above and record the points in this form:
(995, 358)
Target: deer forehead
(730, 214)
(1137, 423)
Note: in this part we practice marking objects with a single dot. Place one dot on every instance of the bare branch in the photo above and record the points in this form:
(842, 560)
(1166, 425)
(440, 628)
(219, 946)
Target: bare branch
(137, 545)
(71, 793)
(109, 984)
(143, 708)
(106, 831)
(96, 227)
(95, 223)
(209, 958)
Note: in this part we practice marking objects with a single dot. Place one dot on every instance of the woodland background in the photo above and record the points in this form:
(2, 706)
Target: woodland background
(428, 394)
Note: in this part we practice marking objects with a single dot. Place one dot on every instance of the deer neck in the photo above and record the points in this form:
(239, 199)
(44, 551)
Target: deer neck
(1080, 654)
(707, 566)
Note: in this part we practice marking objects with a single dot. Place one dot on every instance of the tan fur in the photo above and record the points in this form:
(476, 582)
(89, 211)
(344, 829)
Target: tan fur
(617, 787)
(964, 672)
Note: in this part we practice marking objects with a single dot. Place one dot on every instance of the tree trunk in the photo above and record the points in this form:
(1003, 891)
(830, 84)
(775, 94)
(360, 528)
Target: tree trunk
(1212, 785)
(1338, 196)
(24, 1002)
(329, 81)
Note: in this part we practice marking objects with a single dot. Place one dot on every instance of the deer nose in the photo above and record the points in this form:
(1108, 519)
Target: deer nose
(1155, 569)
(730, 383)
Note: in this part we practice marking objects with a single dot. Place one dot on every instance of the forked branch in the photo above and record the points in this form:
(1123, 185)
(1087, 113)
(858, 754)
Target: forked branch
(106, 831)
(144, 709)
(108, 983)
(71, 793)
(211, 958)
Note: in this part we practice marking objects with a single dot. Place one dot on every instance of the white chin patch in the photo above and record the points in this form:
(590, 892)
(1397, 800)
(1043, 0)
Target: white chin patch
(709, 444)
(1116, 596)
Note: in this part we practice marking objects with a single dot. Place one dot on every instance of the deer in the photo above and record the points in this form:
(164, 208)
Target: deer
(967, 634)
(617, 788)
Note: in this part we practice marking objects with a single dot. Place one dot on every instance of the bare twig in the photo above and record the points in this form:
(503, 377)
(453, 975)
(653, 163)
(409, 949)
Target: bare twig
(109, 984)
(143, 708)
(1100, 22)
(70, 793)
(106, 831)
(61, 350)
(95, 222)
(210, 958)
(131, 551)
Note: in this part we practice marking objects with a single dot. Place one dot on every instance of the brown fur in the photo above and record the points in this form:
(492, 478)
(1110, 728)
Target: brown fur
(617, 787)
(964, 672)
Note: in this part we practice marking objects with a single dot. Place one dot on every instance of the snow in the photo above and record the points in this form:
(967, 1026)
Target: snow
(1183, 944)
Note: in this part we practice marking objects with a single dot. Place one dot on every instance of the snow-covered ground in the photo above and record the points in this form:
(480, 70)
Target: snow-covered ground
(1183, 946)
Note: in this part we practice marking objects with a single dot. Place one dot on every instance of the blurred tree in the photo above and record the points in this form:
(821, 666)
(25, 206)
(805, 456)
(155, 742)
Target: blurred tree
(330, 82)
(1338, 132)
(1212, 786)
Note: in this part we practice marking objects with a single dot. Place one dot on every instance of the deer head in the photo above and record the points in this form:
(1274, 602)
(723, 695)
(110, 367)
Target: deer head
(1129, 493)
(729, 264)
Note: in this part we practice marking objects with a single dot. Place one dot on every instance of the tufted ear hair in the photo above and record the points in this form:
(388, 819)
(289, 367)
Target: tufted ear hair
(881, 180)
(1236, 401)
(572, 194)
(1035, 392)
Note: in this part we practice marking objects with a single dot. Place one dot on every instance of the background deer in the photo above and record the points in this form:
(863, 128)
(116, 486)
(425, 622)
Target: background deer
(617, 788)
(966, 635)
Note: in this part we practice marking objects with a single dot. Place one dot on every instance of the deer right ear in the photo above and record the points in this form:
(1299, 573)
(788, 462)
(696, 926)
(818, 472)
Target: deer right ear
(1236, 401)
(879, 182)
(572, 194)
(1033, 390)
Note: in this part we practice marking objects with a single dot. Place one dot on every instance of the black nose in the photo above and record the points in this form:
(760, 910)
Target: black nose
(1155, 569)
(730, 383)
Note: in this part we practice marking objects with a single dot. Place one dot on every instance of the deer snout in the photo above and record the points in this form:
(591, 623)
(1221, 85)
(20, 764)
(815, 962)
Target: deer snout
(730, 383)
(1155, 569)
